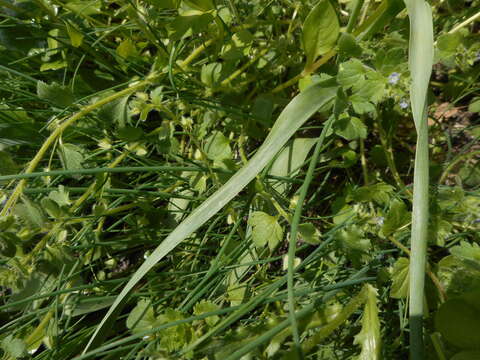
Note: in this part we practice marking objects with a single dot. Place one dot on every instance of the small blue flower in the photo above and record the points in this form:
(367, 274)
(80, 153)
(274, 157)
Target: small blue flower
(393, 78)
(403, 104)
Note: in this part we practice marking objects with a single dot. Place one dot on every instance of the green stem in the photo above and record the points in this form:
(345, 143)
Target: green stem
(354, 16)
(59, 130)
(419, 243)
(460, 158)
(292, 247)
(465, 23)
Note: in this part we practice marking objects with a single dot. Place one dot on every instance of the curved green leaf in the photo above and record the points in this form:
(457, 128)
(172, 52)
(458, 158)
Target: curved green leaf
(292, 117)
(420, 62)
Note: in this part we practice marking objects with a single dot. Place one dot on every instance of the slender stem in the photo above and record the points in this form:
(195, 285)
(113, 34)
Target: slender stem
(363, 161)
(59, 130)
(90, 189)
(465, 23)
(294, 233)
(195, 53)
(306, 72)
(346, 312)
(244, 67)
(460, 158)
(388, 151)
(354, 16)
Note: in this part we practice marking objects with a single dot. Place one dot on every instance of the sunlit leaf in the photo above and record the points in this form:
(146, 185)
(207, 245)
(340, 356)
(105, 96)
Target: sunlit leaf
(320, 31)
(369, 337)
(266, 230)
(399, 289)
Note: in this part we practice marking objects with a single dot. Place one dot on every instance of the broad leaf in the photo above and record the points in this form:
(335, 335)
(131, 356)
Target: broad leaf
(397, 217)
(15, 348)
(458, 320)
(58, 95)
(399, 289)
(71, 156)
(320, 31)
(265, 230)
(142, 317)
(350, 128)
(217, 147)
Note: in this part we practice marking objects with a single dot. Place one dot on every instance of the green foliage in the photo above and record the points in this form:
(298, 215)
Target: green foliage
(400, 278)
(320, 31)
(369, 337)
(178, 138)
(265, 230)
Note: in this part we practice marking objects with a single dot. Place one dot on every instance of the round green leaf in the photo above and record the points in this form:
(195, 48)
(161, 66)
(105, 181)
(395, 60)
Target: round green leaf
(459, 323)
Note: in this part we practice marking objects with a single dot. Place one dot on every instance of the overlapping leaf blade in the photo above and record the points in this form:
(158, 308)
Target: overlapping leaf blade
(300, 109)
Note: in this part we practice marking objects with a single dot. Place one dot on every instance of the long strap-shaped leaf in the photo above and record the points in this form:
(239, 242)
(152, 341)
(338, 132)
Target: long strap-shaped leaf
(420, 63)
(292, 117)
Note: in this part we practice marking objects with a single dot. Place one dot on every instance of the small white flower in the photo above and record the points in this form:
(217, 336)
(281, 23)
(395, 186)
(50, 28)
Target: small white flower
(380, 220)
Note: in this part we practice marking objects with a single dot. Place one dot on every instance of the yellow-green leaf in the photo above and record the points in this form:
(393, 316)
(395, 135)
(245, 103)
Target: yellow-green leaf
(369, 336)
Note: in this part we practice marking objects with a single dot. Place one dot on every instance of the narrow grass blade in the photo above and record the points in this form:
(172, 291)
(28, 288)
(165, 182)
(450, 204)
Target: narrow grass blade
(420, 64)
(292, 117)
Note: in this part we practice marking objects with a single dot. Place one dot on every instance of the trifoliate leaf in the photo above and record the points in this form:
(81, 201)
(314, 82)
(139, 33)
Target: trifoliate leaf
(265, 230)
(369, 336)
(399, 289)
(320, 31)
